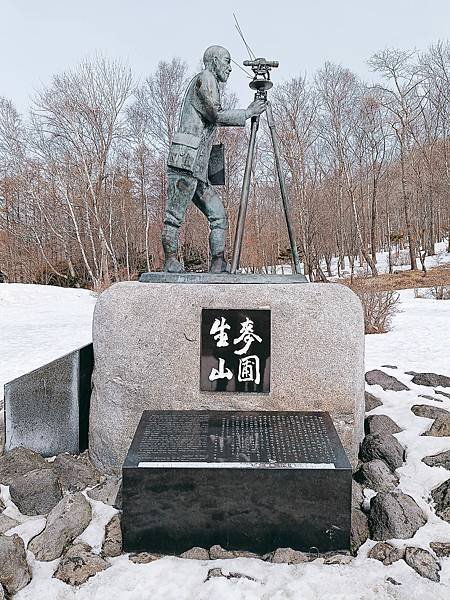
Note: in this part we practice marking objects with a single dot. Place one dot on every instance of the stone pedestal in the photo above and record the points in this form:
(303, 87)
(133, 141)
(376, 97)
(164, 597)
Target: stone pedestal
(147, 355)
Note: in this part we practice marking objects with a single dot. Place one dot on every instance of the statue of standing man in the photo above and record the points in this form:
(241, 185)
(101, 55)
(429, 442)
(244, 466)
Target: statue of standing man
(189, 156)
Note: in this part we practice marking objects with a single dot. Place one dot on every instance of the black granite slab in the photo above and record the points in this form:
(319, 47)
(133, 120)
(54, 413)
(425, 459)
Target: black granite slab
(235, 350)
(245, 480)
(47, 410)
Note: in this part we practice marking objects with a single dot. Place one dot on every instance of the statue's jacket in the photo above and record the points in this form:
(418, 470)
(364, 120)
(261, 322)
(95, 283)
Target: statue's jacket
(201, 114)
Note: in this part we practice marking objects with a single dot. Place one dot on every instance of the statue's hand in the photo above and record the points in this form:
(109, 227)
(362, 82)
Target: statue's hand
(255, 108)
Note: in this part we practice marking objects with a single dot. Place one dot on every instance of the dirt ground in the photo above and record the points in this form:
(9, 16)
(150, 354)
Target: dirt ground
(402, 280)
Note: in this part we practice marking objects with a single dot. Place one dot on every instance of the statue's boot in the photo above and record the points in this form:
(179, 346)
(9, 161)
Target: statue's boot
(172, 264)
(170, 245)
(219, 264)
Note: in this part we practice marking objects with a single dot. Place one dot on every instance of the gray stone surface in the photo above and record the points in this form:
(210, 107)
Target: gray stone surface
(386, 553)
(147, 349)
(371, 401)
(66, 521)
(216, 552)
(107, 491)
(441, 497)
(359, 531)
(2, 592)
(6, 523)
(423, 562)
(196, 553)
(428, 411)
(431, 380)
(2, 505)
(14, 570)
(36, 492)
(75, 472)
(288, 555)
(143, 558)
(387, 382)
(381, 424)
(18, 462)
(112, 544)
(440, 427)
(220, 278)
(357, 494)
(438, 460)
(394, 515)
(47, 410)
(377, 476)
(383, 447)
(78, 564)
(441, 549)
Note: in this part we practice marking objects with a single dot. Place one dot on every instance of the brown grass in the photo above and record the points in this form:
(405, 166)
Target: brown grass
(402, 280)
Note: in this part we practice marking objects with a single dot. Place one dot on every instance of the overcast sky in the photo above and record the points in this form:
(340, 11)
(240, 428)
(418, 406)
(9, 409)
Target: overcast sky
(42, 37)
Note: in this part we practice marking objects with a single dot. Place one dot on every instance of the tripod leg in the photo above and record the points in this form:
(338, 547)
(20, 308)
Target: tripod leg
(284, 196)
(244, 197)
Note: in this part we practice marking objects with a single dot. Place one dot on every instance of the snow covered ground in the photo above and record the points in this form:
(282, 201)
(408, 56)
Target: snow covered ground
(40, 323)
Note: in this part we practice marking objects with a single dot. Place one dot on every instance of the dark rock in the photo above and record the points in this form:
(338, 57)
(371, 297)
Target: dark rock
(19, 461)
(360, 530)
(36, 492)
(217, 572)
(380, 424)
(383, 447)
(387, 382)
(78, 564)
(2, 506)
(112, 544)
(393, 581)
(377, 476)
(14, 570)
(287, 555)
(371, 401)
(431, 380)
(394, 515)
(65, 522)
(428, 412)
(440, 427)
(143, 558)
(107, 491)
(441, 549)
(427, 397)
(196, 553)
(338, 559)
(423, 562)
(441, 393)
(386, 553)
(438, 460)
(441, 497)
(6, 523)
(75, 472)
(357, 494)
(410, 372)
(389, 367)
(217, 552)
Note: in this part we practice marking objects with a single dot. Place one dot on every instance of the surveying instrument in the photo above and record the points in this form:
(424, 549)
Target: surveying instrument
(261, 83)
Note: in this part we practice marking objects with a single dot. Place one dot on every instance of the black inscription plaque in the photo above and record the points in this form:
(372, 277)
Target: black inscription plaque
(235, 350)
(245, 480)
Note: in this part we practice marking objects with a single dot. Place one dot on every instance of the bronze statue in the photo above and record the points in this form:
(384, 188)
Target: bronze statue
(201, 114)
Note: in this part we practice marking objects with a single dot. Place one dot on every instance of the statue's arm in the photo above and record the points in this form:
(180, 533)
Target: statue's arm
(209, 105)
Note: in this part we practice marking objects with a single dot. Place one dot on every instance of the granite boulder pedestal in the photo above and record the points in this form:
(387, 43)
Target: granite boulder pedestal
(147, 354)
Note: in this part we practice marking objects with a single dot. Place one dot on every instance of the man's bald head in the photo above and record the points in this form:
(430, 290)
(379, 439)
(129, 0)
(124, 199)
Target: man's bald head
(217, 59)
(214, 52)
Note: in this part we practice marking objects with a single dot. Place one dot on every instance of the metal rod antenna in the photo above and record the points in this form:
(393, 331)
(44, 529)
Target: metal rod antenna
(239, 30)
(284, 195)
(244, 197)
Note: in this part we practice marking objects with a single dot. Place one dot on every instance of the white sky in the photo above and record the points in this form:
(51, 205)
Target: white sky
(42, 37)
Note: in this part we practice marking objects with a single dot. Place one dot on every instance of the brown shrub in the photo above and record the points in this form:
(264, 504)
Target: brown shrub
(379, 308)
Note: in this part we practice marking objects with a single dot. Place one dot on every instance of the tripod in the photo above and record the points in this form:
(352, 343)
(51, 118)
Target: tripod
(261, 83)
